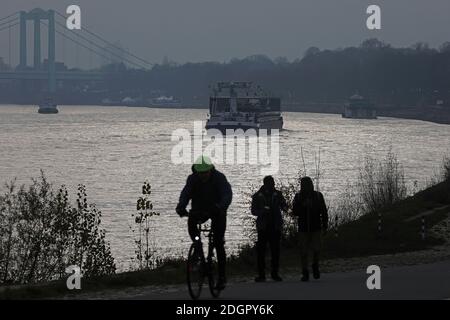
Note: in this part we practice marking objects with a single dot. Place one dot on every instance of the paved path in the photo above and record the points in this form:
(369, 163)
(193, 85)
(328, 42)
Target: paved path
(426, 213)
(429, 281)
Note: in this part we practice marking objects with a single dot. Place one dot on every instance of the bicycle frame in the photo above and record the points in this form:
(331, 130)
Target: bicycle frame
(208, 259)
(206, 263)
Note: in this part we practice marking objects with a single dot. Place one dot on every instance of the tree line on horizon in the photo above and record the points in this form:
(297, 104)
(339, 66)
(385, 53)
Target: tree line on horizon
(400, 76)
(411, 75)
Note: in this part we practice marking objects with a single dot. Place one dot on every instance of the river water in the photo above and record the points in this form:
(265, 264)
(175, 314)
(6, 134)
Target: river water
(113, 150)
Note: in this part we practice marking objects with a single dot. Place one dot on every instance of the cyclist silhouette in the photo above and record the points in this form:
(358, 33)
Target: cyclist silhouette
(210, 195)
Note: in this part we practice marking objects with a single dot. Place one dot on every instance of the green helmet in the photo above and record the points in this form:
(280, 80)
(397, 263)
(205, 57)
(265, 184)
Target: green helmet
(203, 164)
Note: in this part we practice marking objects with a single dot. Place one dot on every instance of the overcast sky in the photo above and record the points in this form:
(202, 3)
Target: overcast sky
(213, 30)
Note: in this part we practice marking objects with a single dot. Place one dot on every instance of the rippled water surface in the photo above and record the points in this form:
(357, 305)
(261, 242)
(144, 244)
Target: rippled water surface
(112, 150)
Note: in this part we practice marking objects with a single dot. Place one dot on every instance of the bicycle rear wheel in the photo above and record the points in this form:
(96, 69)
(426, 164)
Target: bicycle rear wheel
(213, 273)
(195, 272)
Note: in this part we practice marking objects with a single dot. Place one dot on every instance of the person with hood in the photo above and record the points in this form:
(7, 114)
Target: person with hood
(267, 205)
(210, 195)
(310, 208)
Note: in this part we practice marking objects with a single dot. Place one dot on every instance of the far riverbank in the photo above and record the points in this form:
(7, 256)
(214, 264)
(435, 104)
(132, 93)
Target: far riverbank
(436, 114)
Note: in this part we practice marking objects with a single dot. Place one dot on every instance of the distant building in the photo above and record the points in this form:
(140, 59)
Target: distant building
(441, 99)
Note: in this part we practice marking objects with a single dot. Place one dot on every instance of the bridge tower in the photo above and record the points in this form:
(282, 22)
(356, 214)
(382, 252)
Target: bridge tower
(36, 15)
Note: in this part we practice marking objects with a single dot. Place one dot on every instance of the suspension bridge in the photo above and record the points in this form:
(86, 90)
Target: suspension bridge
(48, 70)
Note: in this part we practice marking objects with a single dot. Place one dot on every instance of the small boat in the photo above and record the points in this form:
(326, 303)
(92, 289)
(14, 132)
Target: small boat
(165, 102)
(48, 107)
(359, 107)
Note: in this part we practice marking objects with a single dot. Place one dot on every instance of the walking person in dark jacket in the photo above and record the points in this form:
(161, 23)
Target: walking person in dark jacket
(267, 205)
(210, 195)
(309, 206)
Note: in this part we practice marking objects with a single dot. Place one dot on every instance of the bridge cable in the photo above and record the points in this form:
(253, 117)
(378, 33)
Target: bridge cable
(104, 49)
(77, 56)
(82, 45)
(64, 47)
(79, 43)
(9, 46)
(8, 22)
(90, 60)
(11, 15)
(10, 26)
(119, 48)
(109, 43)
(107, 50)
(76, 42)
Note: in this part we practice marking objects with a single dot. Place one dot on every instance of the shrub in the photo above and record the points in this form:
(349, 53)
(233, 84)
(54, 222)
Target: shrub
(381, 184)
(41, 234)
(145, 251)
(346, 208)
(446, 168)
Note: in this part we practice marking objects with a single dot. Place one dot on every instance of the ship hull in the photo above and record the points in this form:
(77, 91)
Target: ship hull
(359, 113)
(234, 125)
(48, 110)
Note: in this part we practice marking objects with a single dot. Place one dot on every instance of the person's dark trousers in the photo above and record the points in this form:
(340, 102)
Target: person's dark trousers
(218, 226)
(271, 237)
(310, 241)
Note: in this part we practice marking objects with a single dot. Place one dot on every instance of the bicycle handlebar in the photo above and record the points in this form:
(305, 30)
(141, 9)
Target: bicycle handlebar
(186, 214)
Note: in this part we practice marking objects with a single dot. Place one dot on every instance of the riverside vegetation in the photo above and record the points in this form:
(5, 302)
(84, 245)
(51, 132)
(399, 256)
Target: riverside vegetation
(32, 218)
(42, 233)
(144, 240)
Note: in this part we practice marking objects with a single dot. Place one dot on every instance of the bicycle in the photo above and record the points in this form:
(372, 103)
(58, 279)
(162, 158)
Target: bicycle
(200, 267)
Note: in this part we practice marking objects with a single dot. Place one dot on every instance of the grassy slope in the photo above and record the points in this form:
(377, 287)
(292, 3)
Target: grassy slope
(358, 238)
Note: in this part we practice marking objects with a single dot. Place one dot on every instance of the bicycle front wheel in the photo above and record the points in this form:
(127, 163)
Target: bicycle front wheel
(195, 273)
